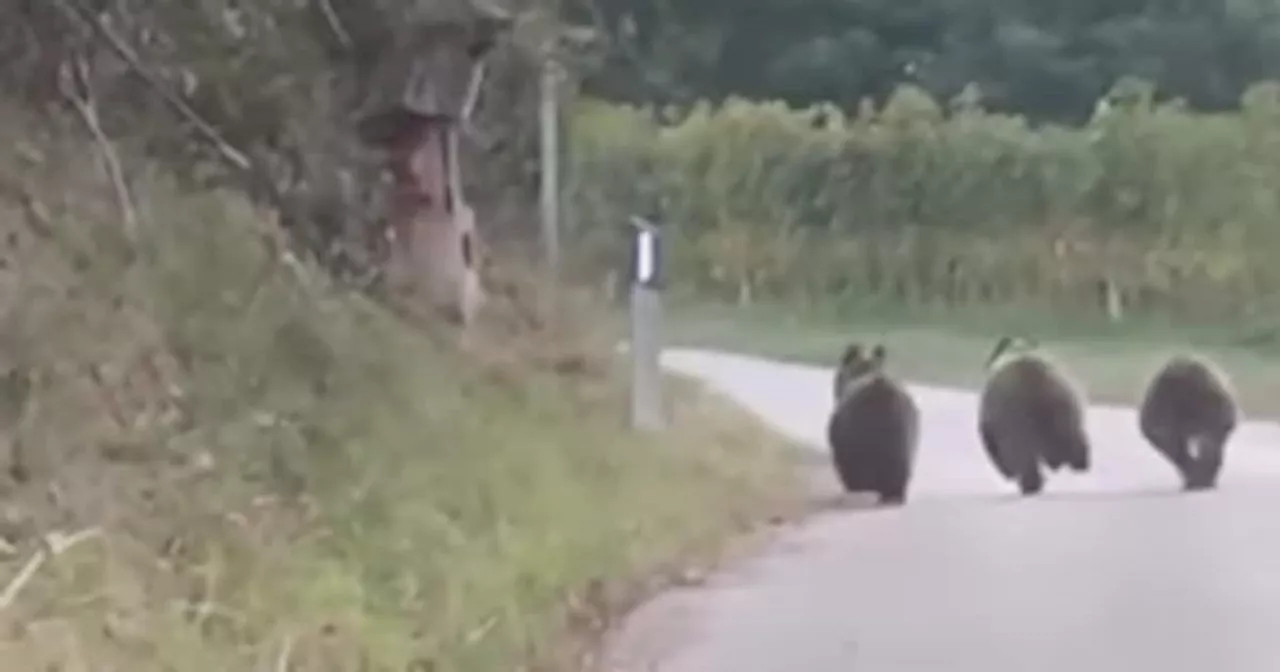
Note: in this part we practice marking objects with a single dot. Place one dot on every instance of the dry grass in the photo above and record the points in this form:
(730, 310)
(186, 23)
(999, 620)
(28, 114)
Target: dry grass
(286, 478)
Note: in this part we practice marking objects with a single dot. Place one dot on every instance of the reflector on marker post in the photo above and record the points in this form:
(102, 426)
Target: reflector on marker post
(646, 254)
(644, 257)
(646, 320)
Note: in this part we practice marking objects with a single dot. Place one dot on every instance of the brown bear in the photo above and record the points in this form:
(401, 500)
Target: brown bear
(874, 428)
(1188, 414)
(1031, 414)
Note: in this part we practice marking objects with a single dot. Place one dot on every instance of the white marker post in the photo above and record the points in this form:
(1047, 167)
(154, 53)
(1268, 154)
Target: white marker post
(646, 322)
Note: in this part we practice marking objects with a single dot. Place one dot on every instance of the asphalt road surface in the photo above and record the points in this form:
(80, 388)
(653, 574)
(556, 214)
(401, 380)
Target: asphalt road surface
(1114, 570)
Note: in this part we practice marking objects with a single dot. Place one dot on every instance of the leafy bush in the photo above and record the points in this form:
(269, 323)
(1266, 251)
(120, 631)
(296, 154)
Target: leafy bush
(948, 206)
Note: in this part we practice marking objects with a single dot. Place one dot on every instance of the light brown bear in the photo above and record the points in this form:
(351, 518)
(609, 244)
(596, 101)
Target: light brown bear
(1031, 414)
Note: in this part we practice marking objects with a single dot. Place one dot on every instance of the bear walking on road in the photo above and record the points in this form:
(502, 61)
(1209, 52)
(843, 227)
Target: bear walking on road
(1188, 414)
(874, 428)
(1031, 415)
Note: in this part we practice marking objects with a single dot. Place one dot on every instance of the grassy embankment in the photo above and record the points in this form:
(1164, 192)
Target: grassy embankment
(273, 474)
(1113, 362)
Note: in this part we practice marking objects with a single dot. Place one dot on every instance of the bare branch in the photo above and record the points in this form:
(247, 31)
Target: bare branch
(86, 105)
(474, 85)
(55, 544)
(335, 24)
(124, 51)
(286, 652)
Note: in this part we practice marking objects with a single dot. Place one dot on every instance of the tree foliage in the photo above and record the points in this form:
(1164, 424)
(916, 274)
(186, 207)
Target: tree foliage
(928, 203)
(282, 83)
(1046, 59)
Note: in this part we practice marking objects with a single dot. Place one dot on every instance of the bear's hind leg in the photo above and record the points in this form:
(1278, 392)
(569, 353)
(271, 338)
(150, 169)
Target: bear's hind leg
(1031, 480)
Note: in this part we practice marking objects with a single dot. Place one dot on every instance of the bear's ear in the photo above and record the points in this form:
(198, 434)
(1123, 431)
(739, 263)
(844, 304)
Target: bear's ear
(851, 353)
(878, 353)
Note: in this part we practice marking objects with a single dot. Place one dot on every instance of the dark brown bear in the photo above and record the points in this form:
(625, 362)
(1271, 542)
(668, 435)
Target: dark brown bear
(1030, 415)
(874, 428)
(1188, 413)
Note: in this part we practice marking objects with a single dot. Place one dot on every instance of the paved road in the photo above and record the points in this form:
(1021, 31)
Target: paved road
(1115, 570)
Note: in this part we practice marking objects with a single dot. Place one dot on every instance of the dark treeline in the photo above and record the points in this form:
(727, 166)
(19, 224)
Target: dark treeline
(1047, 59)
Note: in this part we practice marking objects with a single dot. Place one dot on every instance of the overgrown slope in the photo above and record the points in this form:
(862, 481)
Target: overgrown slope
(277, 475)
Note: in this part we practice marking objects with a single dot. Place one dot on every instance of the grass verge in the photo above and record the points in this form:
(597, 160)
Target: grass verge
(274, 474)
(1114, 363)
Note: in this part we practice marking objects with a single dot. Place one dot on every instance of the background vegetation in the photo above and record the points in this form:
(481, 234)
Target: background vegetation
(931, 173)
(1148, 210)
(1047, 59)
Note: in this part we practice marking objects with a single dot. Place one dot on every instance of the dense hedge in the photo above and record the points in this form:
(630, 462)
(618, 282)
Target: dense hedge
(926, 204)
